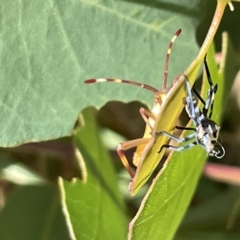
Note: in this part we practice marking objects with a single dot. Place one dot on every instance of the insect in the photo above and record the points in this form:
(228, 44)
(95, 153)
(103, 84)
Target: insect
(206, 131)
(145, 157)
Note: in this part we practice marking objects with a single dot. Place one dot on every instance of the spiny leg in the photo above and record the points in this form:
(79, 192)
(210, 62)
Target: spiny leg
(127, 145)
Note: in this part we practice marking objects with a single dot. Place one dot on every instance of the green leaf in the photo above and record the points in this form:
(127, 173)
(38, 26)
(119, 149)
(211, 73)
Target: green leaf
(167, 200)
(93, 209)
(33, 212)
(49, 48)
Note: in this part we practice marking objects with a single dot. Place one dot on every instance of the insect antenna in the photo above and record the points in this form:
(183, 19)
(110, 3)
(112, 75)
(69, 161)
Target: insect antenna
(117, 80)
(219, 154)
(165, 73)
(145, 86)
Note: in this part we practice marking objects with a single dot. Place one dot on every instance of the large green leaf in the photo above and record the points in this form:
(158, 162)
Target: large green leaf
(94, 209)
(166, 201)
(49, 48)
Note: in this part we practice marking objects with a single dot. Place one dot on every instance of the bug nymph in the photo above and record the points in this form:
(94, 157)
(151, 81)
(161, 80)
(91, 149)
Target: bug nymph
(206, 131)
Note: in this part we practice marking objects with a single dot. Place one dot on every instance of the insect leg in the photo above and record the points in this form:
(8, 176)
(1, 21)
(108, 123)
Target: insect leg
(190, 107)
(211, 92)
(198, 95)
(127, 145)
(185, 128)
(179, 140)
(146, 115)
(178, 149)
